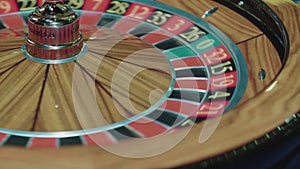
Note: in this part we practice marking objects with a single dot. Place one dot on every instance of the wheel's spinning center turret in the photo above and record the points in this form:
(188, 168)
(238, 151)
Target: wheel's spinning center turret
(53, 35)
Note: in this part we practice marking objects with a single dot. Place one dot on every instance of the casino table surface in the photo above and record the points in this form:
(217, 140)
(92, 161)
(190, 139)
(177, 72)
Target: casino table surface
(262, 131)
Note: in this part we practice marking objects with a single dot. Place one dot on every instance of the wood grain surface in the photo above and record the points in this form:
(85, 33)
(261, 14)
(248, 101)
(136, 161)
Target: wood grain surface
(261, 111)
(44, 92)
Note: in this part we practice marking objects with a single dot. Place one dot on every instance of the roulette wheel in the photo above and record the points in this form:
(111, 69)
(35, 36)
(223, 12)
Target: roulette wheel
(134, 84)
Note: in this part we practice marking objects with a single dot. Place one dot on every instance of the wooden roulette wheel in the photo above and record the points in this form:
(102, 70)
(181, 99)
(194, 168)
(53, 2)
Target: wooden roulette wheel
(142, 79)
